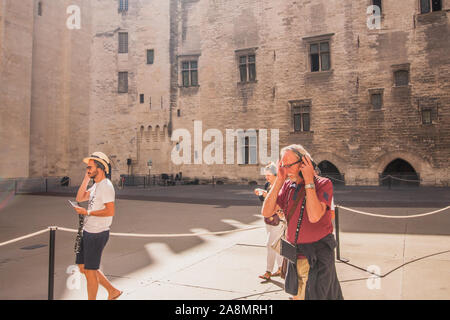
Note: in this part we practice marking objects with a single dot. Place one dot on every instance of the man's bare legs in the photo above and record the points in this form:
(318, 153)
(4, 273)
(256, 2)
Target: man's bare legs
(96, 277)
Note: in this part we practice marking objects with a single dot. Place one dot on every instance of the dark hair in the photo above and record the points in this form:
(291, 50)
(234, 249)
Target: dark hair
(102, 167)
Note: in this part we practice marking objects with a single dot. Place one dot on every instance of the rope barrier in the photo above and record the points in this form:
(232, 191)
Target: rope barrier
(135, 235)
(24, 237)
(334, 179)
(168, 235)
(395, 178)
(394, 217)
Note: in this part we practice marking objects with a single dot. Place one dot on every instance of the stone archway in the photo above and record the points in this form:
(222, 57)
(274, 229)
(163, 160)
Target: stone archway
(399, 172)
(329, 170)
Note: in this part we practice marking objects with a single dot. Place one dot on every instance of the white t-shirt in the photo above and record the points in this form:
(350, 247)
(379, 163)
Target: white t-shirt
(100, 193)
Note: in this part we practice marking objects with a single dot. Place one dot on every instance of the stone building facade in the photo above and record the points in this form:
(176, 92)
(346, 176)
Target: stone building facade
(363, 98)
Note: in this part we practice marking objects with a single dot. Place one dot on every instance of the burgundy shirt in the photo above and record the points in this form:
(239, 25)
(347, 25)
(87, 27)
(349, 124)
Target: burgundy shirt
(309, 232)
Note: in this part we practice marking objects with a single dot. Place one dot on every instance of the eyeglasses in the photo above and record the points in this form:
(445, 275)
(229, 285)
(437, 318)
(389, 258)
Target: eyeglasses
(290, 165)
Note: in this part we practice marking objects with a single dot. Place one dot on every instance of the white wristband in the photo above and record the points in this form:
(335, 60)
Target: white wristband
(89, 212)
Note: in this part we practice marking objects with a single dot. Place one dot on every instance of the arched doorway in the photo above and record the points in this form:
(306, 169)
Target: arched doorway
(399, 172)
(330, 171)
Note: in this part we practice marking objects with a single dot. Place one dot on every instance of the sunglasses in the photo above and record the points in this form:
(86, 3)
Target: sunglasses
(291, 164)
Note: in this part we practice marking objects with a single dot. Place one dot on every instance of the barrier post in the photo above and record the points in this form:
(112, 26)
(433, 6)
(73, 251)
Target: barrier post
(338, 245)
(51, 263)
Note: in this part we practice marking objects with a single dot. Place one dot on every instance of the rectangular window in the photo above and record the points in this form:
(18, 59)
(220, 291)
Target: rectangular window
(401, 78)
(123, 42)
(247, 68)
(426, 116)
(250, 149)
(40, 8)
(377, 3)
(376, 101)
(189, 73)
(123, 5)
(301, 118)
(141, 98)
(427, 6)
(123, 82)
(150, 56)
(320, 56)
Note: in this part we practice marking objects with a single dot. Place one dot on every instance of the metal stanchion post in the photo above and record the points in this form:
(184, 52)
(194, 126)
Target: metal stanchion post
(338, 246)
(51, 263)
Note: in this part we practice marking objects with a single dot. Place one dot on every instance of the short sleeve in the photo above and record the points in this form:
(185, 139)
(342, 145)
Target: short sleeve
(108, 193)
(92, 188)
(282, 194)
(325, 193)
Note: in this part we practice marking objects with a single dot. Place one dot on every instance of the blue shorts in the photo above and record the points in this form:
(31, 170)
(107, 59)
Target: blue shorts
(91, 248)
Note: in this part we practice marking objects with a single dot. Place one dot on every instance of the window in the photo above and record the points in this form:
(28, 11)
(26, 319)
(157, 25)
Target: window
(178, 113)
(123, 82)
(189, 73)
(376, 98)
(301, 115)
(319, 56)
(377, 3)
(123, 42)
(123, 5)
(247, 68)
(376, 101)
(426, 116)
(150, 56)
(141, 98)
(401, 78)
(250, 149)
(427, 6)
(40, 8)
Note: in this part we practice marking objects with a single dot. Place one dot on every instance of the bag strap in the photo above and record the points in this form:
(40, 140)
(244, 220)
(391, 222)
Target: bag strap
(300, 220)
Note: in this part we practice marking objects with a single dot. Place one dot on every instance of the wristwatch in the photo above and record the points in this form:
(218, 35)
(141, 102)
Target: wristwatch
(310, 186)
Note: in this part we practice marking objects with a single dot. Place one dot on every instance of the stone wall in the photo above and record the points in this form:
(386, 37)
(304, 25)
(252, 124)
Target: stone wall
(71, 93)
(16, 38)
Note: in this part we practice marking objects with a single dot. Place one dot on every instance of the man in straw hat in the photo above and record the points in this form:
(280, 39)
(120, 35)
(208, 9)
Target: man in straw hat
(97, 221)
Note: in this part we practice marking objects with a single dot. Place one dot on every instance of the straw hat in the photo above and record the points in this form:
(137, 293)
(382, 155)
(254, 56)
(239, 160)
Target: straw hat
(100, 157)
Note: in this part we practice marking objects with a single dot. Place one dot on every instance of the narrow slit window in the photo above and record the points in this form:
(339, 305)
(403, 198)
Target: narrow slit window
(150, 56)
(123, 82)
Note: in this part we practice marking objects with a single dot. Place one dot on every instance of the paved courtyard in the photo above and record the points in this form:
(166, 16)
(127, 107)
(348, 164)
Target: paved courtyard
(226, 266)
